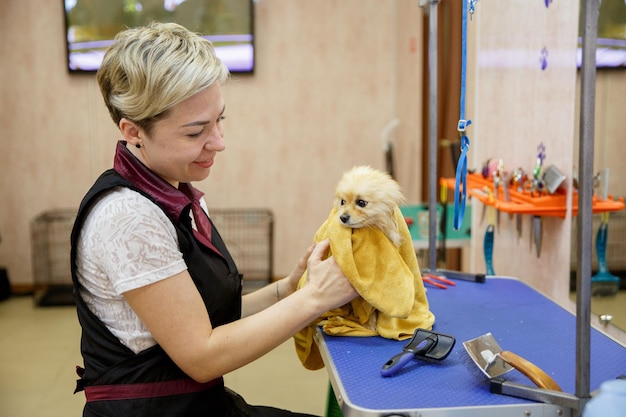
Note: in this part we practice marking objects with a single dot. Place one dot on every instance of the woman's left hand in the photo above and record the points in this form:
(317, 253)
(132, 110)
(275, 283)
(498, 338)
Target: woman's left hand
(290, 282)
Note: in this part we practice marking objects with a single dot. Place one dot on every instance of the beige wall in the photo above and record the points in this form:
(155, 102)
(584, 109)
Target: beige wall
(610, 128)
(330, 76)
(516, 106)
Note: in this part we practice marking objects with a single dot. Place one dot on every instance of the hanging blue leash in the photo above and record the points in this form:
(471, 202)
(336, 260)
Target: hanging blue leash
(460, 184)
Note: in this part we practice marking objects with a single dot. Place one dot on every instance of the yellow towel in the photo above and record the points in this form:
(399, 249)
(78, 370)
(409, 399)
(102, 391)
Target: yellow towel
(392, 301)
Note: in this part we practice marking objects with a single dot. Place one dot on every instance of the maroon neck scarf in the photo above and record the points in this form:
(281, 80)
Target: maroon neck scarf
(172, 200)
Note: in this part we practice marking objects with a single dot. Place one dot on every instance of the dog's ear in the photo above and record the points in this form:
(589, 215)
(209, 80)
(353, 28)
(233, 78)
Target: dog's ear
(337, 202)
(396, 193)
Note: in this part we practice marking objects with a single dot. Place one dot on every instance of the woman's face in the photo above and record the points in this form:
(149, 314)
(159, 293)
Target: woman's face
(182, 146)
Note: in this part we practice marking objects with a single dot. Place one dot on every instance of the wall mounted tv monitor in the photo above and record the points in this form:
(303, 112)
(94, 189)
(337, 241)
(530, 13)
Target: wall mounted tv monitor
(91, 26)
(611, 45)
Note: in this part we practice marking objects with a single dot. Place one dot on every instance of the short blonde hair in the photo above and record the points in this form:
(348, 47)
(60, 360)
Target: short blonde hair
(152, 68)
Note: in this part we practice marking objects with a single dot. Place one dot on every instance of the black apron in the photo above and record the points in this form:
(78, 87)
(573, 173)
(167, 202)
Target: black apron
(119, 382)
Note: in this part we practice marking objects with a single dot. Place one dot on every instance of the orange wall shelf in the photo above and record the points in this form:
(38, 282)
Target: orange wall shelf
(523, 202)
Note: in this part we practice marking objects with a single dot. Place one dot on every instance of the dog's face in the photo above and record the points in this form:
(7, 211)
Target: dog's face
(366, 197)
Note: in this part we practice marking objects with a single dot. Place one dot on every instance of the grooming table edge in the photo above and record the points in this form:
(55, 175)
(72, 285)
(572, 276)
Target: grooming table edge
(522, 320)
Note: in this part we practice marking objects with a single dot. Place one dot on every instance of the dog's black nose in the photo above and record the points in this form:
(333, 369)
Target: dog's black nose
(344, 218)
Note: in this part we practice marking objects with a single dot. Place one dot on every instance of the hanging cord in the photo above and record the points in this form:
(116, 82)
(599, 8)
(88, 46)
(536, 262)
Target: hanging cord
(460, 185)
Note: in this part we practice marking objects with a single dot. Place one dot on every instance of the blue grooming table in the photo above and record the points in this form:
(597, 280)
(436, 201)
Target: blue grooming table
(521, 320)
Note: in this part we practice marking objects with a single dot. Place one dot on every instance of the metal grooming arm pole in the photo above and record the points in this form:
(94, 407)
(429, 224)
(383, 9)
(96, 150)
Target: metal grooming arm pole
(432, 132)
(432, 151)
(432, 135)
(585, 196)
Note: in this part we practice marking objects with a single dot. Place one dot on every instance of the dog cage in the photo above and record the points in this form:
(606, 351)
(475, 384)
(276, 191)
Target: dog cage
(50, 254)
(249, 237)
(248, 234)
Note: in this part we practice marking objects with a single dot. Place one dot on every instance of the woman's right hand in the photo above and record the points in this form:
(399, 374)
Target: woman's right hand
(327, 284)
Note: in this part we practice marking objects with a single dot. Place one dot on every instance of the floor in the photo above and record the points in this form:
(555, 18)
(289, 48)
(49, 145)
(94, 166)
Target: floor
(39, 349)
(613, 306)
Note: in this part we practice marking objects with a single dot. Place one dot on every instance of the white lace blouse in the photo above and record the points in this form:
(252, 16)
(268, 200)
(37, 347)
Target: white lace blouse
(127, 242)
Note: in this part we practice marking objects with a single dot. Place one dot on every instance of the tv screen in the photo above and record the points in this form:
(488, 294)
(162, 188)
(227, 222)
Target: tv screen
(611, 46)
(91, 26)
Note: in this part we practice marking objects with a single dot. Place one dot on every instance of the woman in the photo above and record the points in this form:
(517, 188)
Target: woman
(158, 295)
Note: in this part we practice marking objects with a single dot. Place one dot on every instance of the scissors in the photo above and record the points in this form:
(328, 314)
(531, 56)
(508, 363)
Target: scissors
(437, 281)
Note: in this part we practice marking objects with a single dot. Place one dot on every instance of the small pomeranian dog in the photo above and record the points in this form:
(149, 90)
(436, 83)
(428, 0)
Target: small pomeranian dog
(366, 197)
